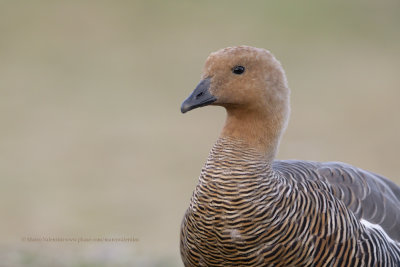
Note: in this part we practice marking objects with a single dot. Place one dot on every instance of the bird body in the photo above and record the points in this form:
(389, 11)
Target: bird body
(250, 210)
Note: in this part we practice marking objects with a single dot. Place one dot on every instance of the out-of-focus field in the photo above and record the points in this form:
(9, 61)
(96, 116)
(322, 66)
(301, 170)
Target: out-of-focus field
(92, 142)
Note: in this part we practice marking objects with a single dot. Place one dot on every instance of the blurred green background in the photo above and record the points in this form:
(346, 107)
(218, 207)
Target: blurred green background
(92, 142)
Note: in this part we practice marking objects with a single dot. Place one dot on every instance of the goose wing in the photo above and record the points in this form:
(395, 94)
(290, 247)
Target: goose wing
(369, 196)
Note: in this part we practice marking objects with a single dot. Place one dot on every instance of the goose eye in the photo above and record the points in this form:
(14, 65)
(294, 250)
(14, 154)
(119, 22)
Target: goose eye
(238, 70)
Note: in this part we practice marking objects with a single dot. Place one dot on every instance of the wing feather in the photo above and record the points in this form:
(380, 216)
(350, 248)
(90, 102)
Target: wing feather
(369, 196)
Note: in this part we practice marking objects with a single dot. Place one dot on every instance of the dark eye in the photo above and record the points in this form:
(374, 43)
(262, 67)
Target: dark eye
(238, 70)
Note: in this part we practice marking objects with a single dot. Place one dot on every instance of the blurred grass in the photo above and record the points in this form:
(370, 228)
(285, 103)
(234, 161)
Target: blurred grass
(92, 143)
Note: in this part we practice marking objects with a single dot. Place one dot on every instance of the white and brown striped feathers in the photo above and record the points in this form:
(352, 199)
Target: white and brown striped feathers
(250, 210)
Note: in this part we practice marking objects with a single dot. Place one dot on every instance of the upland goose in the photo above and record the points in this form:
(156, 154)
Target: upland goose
(251, 210)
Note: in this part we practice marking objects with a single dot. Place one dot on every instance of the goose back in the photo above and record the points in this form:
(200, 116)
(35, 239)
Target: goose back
(369, 196)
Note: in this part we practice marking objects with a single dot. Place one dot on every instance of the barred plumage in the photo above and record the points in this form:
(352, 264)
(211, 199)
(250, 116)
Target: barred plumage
(249, 210)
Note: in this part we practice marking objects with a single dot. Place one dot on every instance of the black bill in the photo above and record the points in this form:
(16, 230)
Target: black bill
(200, 97)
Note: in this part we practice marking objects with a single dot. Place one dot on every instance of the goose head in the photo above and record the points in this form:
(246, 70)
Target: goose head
(251, 85)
